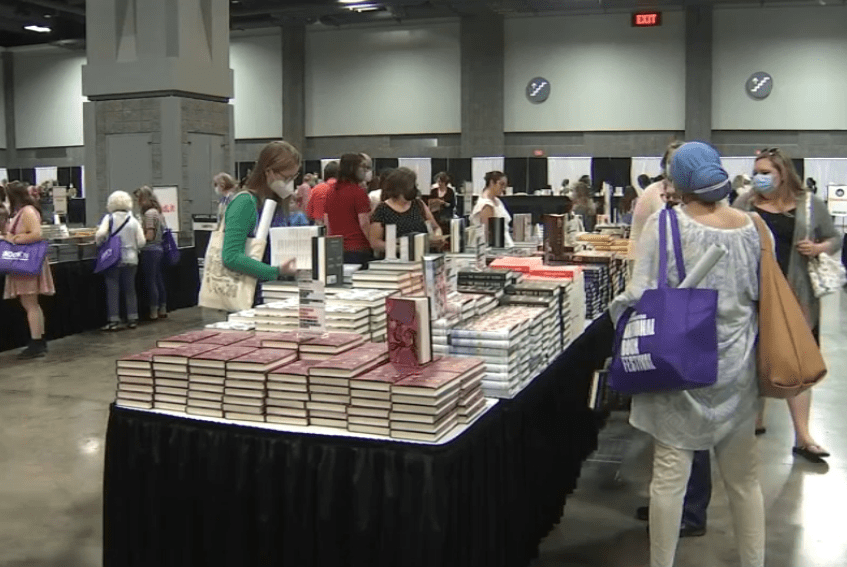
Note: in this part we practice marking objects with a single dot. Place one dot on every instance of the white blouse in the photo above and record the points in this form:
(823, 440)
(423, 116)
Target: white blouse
(698, 419)
(500, 212)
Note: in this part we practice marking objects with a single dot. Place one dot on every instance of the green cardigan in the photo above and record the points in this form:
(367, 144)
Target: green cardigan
(823, 230)
(239, 221)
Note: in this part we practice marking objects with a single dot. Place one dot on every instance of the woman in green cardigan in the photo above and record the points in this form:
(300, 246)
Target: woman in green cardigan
(780, 199)
(272, 178)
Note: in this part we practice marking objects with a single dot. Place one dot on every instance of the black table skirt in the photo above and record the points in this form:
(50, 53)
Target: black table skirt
(80, 301)
(181, 492)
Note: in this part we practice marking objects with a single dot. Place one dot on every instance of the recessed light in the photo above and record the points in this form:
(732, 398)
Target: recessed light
(363, 7)
(38, 29)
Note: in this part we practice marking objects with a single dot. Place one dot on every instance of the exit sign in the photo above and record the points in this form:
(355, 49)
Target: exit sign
(646, 19)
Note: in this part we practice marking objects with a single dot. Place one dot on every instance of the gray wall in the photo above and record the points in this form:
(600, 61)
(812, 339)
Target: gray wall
(604, 74)
(257, 65)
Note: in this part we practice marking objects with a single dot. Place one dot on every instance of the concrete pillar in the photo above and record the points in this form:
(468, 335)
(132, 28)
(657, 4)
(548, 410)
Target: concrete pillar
(294, 84)
(698, 72)
(482, 44)
(158, 83)
(8, 87)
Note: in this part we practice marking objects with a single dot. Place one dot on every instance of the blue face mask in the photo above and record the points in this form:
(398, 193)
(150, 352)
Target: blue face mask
(763, 183)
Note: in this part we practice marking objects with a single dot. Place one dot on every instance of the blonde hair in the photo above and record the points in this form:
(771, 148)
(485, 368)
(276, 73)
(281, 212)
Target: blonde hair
(787, 172)
(119, 201)
(147, 199)
(225, 180)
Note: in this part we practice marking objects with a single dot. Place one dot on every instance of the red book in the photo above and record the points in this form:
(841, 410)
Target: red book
(288, 340)
(568, 272)
(380, 378)
(332, 343)
(227, 338)
(141, 360)
(255, 341)
(352, 363)
(262, 360)
(430, 383)
(187, 338)
(219, 357)
(409, 333)
(181, 354)
(457, 365)
(299, 368)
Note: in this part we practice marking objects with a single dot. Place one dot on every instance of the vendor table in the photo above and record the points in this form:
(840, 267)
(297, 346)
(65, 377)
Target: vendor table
(80, 301)
(185, 492)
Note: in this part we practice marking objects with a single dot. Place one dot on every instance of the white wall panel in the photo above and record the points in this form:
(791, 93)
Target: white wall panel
(803, 49)
(256, 62)
(48, 98)
(371, 81)
(604, 74)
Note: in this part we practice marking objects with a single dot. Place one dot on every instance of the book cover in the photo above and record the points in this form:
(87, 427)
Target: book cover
(456, 365)
(332, 343)
(219, 356)
(141, 360)
(457, 236)
(390, 241)
(226, 338)
(381, 378)
(262, 360)
(328, 260)
(180, 354)
(429, 382)
(187, 338)
(409, 332)
(353, 362)
(435, 278)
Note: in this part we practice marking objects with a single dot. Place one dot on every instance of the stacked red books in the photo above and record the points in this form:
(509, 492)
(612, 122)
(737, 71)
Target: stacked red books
(135, 381)
(227, 338)
(566, 272)
(170, 372)
(370, 399)
(287, 394)
(289, 340)
(329, 383)
(516, 264)
(470, 371)
(328, 345)
(187, 338)
(423, 406)
(244, 386)
(206, 376)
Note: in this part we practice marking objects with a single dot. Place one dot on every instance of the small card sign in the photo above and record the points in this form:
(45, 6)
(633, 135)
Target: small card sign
(391, 242)
(312, 302)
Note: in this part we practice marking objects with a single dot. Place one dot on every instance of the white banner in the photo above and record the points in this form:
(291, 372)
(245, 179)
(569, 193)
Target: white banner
(4, 174)
(570, 168)
(482, 165)
(827, 173)
(423, 168)
(169, 199)
(736, 166)
(650, 166)
(43, 174)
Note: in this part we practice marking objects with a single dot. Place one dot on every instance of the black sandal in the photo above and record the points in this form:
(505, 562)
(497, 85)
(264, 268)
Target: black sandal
(811, 456)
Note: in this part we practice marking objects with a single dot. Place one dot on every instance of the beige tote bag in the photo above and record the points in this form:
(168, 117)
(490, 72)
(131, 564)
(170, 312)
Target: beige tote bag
(223, 288)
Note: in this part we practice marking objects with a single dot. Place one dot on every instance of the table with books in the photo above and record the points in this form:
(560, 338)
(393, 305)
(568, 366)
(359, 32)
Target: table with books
(79, 304)
(245, 448)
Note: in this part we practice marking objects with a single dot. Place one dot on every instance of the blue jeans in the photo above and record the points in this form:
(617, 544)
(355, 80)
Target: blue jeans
(120, 281)
(150, 259)
(699, 491)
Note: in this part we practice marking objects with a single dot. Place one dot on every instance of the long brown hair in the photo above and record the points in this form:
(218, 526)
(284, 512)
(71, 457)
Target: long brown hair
(787, 172)
(19, 197)
(275, 156)
(147, 199)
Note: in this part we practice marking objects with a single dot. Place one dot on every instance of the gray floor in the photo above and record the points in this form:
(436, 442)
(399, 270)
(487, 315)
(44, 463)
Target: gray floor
(53, 419)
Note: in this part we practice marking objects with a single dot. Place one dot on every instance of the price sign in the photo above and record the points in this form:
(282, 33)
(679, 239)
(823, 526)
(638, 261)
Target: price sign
(312, 302)
(837, 200)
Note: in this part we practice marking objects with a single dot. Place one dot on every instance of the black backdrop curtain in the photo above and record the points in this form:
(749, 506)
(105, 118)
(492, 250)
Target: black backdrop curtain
(614, 171)
(516, 170)
(537, 173)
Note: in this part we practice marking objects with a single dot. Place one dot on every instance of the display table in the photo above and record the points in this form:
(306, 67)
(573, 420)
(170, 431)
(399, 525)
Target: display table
(80, 301)
(184, 492)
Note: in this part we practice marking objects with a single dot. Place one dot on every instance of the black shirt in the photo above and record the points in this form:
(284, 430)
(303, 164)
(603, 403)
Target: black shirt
(412, 221)
(782, 227)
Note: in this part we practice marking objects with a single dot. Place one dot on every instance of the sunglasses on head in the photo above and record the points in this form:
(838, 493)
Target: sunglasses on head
(768, 152)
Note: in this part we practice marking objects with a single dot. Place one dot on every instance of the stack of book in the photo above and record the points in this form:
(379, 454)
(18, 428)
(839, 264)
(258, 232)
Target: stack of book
(329, 383)
(227, 338)
(516, 264)
(424, 405)
(135, 381)
(285, 316)
(288, 393)
(458, 262)
(370, 400)
(170, 375)
(374, 301)
(206, 378)
(490, 280)
(187, 338)
(246, 376)
(349, 270)
(596, 290)
(548, 297)
(329, 345)
(405, 277)
(470, 372)
(244, 320)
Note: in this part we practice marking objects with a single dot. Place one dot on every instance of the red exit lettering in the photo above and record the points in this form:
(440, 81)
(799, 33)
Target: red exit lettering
(647, 19)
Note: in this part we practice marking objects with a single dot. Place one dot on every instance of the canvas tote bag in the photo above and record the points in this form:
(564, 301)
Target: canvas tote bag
(825, 272)
(789, 359)
(221, 287)
(669, 340)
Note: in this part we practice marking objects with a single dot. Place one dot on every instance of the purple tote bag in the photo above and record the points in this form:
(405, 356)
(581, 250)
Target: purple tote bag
(109, 253)
(170, 248)
(22, 259)
(669, 340)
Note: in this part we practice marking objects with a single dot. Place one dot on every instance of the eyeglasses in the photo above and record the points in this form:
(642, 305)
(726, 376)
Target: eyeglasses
(768, 152)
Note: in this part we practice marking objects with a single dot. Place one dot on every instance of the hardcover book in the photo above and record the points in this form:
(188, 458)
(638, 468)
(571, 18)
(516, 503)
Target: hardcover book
(219, 357)
(435, 278)
(187, 338)
(381, 378)
(226, 338)
(142, 360)
(332, 343)
(262, 360)
(353, 363)
(431, 383)
(181, 354)
(328, 260)
(409, 332)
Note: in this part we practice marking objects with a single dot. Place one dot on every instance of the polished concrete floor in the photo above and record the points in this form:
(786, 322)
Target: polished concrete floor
(53, 419)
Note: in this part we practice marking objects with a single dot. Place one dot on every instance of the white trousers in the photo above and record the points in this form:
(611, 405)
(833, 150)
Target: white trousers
(738, 461)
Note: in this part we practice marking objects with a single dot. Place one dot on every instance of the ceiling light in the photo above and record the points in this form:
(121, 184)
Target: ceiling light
(350, 1)
(363, 7)
(38, 29)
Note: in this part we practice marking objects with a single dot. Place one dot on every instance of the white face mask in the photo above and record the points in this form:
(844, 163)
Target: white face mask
(369, 176)
(217, 189)
(282, 188)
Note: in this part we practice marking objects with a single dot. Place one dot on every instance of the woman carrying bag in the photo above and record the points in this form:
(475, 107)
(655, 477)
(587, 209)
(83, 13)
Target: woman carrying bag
(151, 256)
(25, 228)
(802, 229)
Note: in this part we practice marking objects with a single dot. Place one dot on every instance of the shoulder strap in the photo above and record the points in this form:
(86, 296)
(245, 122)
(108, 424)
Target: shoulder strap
(765, 243)
(810, 215)
(126, 220)
(668, 217)
(222, 220)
